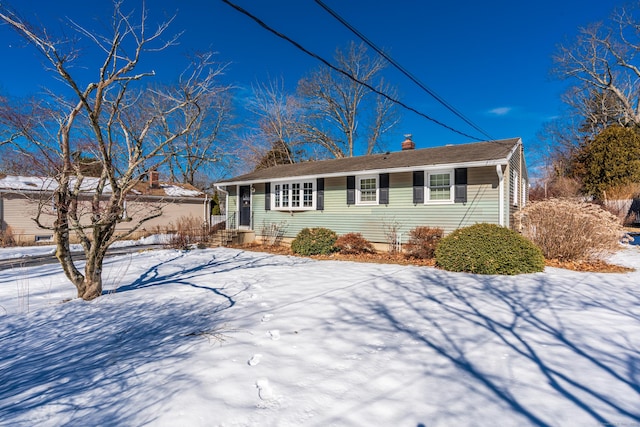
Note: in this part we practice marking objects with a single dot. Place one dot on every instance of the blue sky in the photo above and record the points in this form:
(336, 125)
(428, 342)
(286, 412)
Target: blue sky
(490, 60)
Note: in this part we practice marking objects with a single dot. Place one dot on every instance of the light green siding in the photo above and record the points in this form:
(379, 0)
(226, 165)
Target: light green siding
(516, 188)
(482, 206)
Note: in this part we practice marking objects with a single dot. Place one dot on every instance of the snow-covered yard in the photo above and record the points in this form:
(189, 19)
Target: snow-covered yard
(232, 338)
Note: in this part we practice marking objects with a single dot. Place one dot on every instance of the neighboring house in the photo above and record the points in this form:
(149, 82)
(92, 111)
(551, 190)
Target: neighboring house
(448, 187)
(21, 196)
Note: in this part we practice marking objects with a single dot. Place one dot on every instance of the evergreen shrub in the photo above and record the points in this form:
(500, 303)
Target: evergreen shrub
(353, 244)
(314, 241)
(488, 249)
(423, 242)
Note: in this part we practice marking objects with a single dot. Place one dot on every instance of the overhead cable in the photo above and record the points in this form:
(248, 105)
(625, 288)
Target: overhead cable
(345, 73)
(401, 68)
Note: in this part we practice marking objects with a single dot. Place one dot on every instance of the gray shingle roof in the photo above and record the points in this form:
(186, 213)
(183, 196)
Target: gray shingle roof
(451, 154)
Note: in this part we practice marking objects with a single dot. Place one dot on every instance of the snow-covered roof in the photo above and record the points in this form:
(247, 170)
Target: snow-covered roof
(15, 183)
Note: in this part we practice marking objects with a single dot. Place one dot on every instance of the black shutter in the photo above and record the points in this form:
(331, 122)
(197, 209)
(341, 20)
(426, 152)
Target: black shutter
(384, 188)
(418, 186)
(351, 190)
(320, 194)
(460, 195)
(267, 196)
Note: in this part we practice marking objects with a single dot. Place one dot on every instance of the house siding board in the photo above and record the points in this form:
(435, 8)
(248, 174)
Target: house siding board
(19, 211)
(482, 206)
(171, 215)
(514, 165)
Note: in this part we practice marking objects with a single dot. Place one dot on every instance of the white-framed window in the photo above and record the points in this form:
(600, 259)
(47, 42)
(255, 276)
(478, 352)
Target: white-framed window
(439, 187)
(294, 195)
(367, 190)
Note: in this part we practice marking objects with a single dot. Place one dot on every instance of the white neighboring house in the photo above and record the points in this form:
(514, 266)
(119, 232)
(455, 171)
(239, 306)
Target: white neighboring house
(21, 196)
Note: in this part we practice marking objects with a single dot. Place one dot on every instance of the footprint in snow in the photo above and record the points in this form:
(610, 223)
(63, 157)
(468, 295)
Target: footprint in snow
(255, 359)
(267, 317)
(265, 392)
(275, 334)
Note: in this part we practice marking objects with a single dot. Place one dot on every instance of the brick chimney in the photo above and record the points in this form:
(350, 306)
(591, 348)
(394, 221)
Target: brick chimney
(154, 179)
(408, 143)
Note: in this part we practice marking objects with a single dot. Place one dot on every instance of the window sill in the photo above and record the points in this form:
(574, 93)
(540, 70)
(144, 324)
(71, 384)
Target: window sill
(311, 208)
(439, 202)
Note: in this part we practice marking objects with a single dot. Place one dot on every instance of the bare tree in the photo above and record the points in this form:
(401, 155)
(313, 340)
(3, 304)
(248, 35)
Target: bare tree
(602, 62)
(345, 116)
(278, 137)
(190, 155)
(114, 120)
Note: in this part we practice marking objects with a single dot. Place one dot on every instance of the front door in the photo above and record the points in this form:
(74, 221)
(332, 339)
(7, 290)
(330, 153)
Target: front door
(245, 205)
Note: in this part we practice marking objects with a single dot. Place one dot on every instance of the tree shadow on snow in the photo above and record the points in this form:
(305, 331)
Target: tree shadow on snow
(192, 274)
(115, 360)
(592, 369)
(98, 363)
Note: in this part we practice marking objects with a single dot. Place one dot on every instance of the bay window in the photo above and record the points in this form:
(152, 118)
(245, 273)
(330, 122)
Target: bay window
(295, 195)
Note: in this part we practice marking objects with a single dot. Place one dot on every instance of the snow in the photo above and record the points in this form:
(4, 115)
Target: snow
(35, 251)
(34, 183)
(178, 191)
(226, 337)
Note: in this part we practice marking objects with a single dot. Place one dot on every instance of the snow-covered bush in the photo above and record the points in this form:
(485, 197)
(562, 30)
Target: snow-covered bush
(353, 243)
(570, 230)
(314, 241)
(423, 242)
(488, 249)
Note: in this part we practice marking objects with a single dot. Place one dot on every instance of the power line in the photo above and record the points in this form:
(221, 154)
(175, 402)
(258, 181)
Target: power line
(343, 72)
(402, 69)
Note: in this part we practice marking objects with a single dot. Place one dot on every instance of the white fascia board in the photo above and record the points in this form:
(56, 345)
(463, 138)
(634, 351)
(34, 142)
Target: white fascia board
(478, 164)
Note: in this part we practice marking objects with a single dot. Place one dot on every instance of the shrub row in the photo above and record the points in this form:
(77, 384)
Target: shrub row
(552, 229)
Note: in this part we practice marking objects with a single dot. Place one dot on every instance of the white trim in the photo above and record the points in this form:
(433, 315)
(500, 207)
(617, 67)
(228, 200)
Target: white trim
(427, 187)
(359, 178)
(501, 195)
(290, 198)
(226, 204)
(516, 187)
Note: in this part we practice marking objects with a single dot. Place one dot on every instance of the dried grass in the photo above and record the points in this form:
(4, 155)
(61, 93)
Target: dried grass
(570, 230)
(7, 238)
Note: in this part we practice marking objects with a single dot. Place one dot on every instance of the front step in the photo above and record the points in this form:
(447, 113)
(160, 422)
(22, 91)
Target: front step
(222, 237)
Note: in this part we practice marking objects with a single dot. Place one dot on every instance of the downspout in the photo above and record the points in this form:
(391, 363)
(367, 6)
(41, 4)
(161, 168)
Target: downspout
(1, 212)
(501, 195)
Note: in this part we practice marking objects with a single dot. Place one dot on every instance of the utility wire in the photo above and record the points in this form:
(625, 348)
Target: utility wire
(402, 69)
(345, 73)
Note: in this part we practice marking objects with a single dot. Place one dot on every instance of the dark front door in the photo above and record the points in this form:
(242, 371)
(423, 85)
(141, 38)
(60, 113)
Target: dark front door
(245, 205)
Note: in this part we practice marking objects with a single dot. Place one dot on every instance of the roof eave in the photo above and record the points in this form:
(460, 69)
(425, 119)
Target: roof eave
(474, 164)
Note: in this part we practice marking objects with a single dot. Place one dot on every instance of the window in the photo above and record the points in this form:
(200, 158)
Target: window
(307, 195)
(295, 195)
(367, 190)
(439, 187)
(298, 195)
